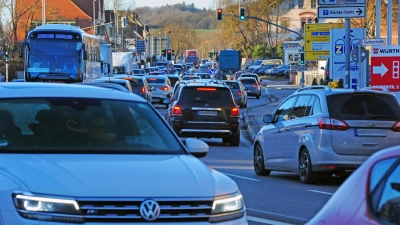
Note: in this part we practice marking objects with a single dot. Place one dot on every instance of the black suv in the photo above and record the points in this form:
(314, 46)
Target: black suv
(205, 110)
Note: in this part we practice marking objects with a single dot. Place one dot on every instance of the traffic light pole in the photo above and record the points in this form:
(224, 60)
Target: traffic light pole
(6, 66)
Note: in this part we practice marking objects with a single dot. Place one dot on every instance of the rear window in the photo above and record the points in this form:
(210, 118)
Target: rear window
(155, 80)
(362, 106)
(232, 85)
(190, 77)
(248, 81)
(205, 94)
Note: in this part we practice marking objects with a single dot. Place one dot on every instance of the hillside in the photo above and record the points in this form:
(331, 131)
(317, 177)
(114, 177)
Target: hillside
(159, 17)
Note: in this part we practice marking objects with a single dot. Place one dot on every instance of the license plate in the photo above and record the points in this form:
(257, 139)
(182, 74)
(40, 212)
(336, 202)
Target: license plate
(370, 132)
(207, 113)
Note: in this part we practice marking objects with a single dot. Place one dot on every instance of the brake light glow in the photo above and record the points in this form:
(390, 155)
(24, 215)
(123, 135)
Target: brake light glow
(239, 93)
(206, 89)
(152, 78)
(396, 127)
(143, 90)
(165, 88)
(254, 85)
(176, 111)
(235, 112)
(332, 124)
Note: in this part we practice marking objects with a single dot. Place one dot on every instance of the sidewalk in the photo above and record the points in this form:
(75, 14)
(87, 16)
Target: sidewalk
(254, 121)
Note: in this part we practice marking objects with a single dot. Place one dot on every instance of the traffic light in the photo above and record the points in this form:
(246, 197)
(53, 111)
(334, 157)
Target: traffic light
(6, 57)
(169, 54)
(219, 14)
(301, 58)
(242, 16)
(164, 53)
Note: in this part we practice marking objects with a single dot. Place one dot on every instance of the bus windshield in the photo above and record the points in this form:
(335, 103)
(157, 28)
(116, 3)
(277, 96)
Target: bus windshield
(54, 56)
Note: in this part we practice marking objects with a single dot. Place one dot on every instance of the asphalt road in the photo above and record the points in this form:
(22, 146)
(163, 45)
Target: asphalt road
(279, 198)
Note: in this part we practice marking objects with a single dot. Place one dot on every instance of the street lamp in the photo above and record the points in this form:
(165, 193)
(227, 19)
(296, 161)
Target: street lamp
(94, 18)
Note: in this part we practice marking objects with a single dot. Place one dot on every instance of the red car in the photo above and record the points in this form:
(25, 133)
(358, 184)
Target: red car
(371, 195)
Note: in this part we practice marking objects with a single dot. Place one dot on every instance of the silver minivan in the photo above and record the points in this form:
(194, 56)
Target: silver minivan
(318, 130)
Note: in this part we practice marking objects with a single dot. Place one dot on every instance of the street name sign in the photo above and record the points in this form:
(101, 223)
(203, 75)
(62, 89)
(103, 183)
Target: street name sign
(317, 40)
(340, 2)
(385, 65)
(374, 41)
(344, 11)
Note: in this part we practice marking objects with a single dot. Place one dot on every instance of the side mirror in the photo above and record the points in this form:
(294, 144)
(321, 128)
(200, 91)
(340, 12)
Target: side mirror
(197, 147)
(322, 68)
(21, 52)
(108, 68)
(83, 48)
(267, 118)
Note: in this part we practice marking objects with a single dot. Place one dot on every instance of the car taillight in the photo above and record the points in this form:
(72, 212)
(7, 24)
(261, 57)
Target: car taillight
(143, 90)
(332, 124)
(254, 85)
(396, 127)
(239, 93)
(177, 111)
(235, 112)
(165, 88)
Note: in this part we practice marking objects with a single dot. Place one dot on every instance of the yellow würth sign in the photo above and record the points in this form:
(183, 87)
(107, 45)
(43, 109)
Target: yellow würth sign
(317, 40)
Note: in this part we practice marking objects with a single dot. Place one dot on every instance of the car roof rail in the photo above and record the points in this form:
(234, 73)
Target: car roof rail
(375, 89)
(315, 87)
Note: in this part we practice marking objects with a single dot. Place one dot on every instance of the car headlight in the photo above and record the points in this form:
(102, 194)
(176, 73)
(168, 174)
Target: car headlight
(228, 208)
(48, 208)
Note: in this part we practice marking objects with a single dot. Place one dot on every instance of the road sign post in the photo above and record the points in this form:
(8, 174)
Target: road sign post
(385, 65)
(344, 11)
(374, 41)
(317, 40)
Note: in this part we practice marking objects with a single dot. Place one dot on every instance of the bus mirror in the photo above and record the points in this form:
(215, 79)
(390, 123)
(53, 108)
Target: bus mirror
(21, 52)
(102, 67)
(84, 55)
(108, 68)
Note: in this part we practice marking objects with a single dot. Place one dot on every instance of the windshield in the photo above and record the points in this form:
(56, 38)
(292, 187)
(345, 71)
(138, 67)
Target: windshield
(59, 56)
(256, 63)
(119, 70)
(80, 125)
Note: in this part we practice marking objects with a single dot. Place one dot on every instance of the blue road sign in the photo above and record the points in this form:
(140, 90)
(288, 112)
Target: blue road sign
(211, 71)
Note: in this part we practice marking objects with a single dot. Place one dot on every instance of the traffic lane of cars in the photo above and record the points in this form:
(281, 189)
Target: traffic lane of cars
(236, 162)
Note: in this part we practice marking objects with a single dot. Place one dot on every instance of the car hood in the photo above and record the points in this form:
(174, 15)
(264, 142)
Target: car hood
(92, 175)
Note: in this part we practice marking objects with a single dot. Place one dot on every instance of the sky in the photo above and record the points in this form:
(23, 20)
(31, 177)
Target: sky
(156, 3)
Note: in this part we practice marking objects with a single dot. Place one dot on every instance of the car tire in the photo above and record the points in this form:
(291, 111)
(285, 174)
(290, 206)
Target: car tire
(258, 96)
(307, 176)
(235, 139)
(258, 161)
(245, 105)
(166, 106)
(226, 140)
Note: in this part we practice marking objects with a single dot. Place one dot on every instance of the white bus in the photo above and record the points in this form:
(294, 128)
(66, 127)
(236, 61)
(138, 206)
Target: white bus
(61, 53)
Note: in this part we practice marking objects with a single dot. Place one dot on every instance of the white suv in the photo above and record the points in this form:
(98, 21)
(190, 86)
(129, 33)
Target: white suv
(76, 154)
(318, 130)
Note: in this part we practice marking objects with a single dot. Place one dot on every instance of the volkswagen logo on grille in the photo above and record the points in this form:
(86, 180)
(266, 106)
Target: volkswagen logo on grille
(150, 210)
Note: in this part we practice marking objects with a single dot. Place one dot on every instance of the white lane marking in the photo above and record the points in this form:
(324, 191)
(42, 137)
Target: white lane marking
(276, 214)
(240, 177)
(259, 220)
(321, 192)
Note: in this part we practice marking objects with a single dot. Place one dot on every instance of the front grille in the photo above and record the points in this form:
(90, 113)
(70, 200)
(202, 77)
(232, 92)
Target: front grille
(128, 210)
